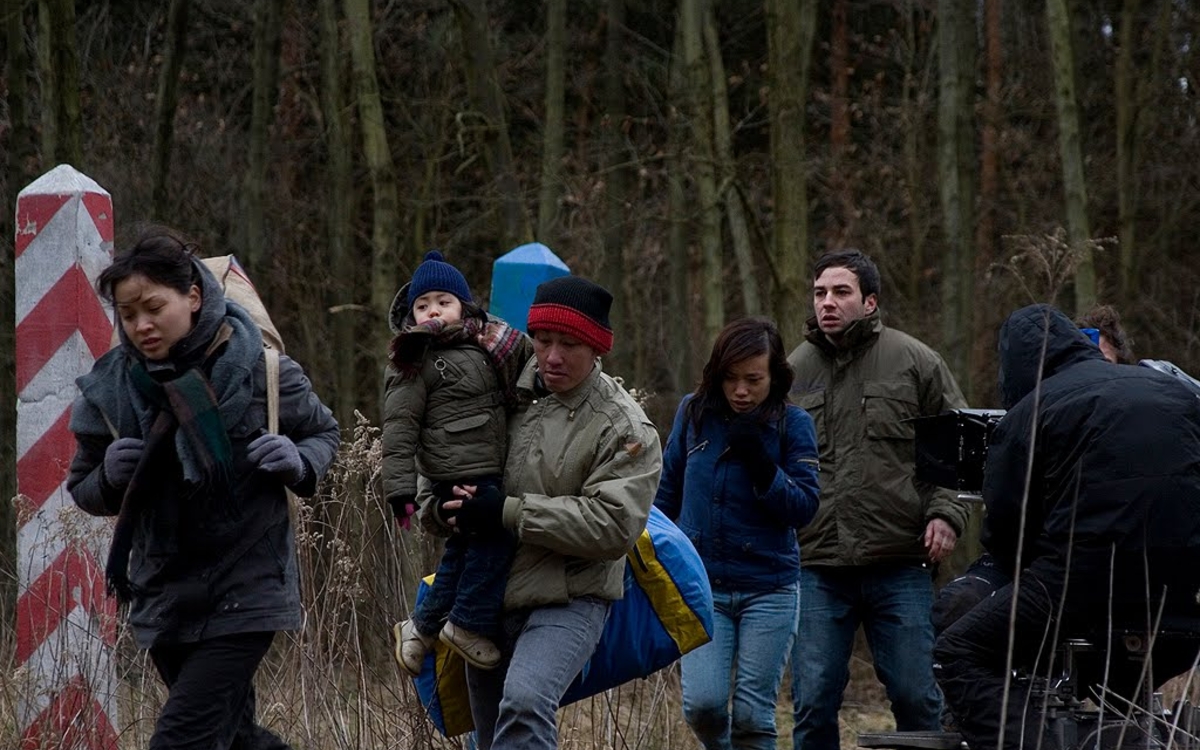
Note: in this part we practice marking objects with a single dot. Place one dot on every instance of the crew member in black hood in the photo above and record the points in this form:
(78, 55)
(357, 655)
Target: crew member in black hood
(1106, 460)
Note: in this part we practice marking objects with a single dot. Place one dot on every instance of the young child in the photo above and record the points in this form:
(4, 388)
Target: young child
(451, 376)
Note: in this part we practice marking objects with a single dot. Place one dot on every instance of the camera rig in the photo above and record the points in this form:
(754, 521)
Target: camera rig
(952, 448)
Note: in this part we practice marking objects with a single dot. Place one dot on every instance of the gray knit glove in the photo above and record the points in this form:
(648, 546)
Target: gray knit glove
(121, 458)
(277, 454)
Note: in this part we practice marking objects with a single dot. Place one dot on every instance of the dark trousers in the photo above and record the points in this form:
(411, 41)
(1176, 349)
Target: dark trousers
(469, 586)
(970, 656)
(210, 703)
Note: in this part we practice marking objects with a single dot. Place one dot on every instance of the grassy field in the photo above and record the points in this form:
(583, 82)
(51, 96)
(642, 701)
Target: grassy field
(314, 705)
(334, 684)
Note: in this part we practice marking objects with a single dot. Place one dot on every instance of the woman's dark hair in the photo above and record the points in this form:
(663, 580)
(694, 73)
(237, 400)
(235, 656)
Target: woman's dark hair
(160, 255)
(739, 341)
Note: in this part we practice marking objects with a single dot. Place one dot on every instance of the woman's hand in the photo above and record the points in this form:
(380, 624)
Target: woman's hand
(277, 454)
(746, 444)
(121, 458)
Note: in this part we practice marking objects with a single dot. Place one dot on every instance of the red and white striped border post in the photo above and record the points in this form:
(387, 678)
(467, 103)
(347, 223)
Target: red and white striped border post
(66, 625)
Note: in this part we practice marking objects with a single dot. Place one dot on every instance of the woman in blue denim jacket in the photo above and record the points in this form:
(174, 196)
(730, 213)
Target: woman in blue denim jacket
(739, 476)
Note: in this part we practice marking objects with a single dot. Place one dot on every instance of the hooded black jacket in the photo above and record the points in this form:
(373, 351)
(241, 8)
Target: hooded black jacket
(1115, 467)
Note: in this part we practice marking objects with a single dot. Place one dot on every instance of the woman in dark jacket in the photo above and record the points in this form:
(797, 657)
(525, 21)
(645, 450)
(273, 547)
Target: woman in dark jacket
(739, 476)
(171, 438)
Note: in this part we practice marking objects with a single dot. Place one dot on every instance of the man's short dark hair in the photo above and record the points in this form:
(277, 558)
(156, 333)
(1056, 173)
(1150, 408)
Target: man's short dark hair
(855, 261)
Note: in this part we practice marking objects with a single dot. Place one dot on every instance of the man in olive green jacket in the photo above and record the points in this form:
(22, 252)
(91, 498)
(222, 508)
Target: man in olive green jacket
(867, 557)
(582, 470)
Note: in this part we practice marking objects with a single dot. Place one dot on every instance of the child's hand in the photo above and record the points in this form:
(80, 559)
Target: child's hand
(404, 507)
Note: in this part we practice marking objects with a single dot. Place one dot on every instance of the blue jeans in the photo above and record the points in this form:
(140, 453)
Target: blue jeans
(468, 588)
(752, 633)
(893, 605)
(514, 705)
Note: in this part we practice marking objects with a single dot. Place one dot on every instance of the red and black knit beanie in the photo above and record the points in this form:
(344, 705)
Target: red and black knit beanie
(576, 307)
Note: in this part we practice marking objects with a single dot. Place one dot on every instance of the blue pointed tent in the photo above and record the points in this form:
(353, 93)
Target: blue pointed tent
(515, 277)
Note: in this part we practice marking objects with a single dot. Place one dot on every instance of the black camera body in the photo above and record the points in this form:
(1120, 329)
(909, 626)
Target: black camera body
(952, 447)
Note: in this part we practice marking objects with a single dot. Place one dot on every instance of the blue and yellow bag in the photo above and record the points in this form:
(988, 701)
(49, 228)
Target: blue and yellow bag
(667, 611)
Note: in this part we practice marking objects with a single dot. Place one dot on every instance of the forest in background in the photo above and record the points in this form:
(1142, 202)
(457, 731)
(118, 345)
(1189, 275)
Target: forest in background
(694, 156)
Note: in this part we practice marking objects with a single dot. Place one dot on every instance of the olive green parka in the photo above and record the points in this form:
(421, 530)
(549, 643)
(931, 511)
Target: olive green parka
(860, 394)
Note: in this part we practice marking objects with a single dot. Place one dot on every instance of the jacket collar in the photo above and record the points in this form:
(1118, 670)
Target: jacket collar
(526, 385)
(859, 335)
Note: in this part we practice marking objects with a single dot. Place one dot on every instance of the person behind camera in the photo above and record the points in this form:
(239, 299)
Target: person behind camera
(1104, 460)
(867, 556)
(582, 467)
(739, 476)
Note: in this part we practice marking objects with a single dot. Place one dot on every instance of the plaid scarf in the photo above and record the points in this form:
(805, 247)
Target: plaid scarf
(187, 405)
(502, 342)
(499, 340)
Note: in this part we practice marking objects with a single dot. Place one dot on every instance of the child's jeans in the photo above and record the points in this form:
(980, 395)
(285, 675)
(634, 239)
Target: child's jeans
(470, 581)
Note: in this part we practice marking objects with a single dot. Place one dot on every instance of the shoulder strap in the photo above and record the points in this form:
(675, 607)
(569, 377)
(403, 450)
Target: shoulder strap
(271, 359)
(111, 427)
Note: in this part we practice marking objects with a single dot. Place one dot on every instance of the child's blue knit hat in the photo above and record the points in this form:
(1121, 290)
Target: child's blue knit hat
(436, 275)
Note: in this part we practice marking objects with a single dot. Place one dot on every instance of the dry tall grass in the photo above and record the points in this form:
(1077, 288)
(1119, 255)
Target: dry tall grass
(334, 685)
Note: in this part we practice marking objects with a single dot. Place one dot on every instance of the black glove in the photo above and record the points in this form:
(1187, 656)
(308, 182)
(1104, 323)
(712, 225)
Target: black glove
(746, 445)
(403, 508)
(409, 347)
(483, 513)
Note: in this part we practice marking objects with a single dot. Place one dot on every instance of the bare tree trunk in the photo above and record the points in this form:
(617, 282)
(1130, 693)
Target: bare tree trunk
(20, 148)
(62, 136)
(701, 111)
(841, 224)
(956, 166)
(616, 185)
(790, 30)
(728, 193)
(989, 184)
(339, 213)
(1071, 153)
(552, 143)
(165, 103)
(268, 18)
(489, 101)
(1164, 58)
(989, 157)
(386, 206)
(46, 79)
(915, 91)
(678, 343)
(1127, 141)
